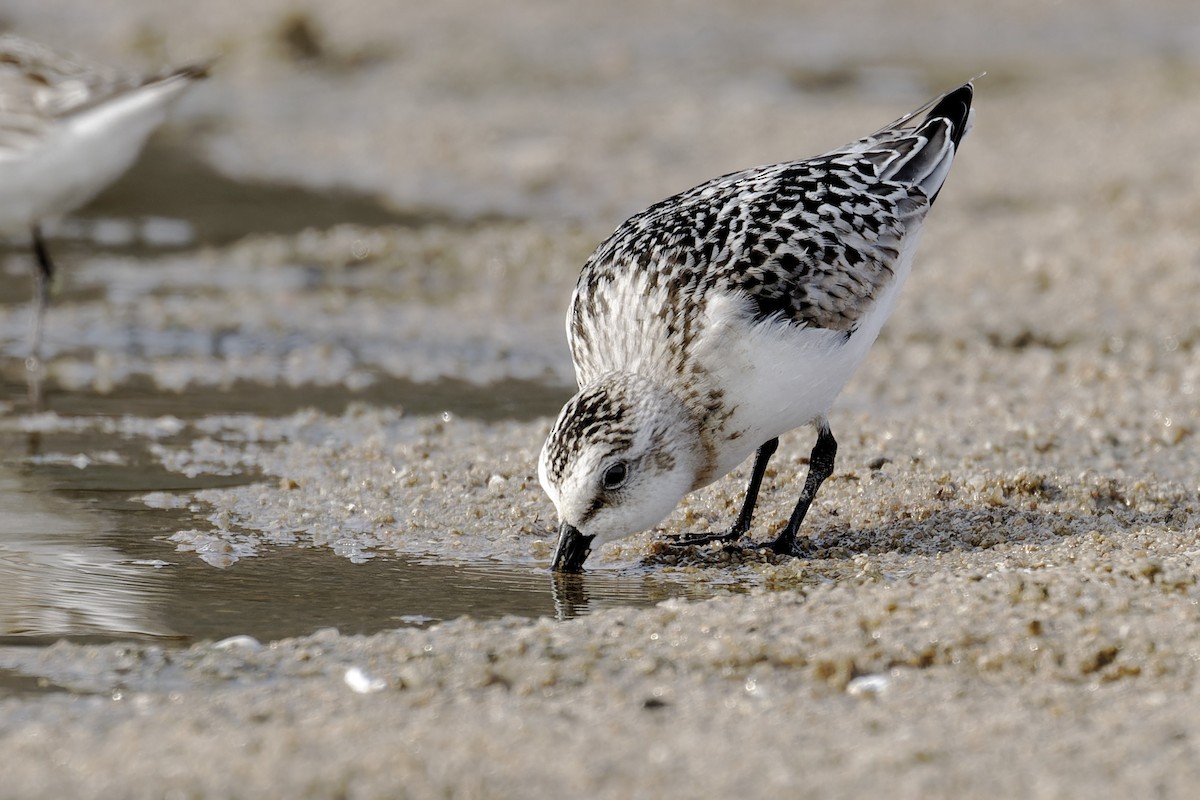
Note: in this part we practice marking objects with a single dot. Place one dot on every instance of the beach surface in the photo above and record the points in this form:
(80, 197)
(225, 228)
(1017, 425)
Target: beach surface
(998, 595)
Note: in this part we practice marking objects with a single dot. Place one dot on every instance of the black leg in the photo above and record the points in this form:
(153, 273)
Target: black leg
(43, 273)
(742, 523)
(820, 467)
(45, 265)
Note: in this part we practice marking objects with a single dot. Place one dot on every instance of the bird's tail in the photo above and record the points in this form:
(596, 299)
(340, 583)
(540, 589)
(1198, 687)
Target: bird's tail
(186, 74)
(924, 153)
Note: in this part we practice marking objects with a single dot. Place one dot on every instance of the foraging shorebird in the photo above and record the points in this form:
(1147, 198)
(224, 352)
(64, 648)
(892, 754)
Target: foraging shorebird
(68, 130)
(716, 320)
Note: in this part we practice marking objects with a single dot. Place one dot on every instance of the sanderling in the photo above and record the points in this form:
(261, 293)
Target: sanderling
(718, 319)
(68, 130)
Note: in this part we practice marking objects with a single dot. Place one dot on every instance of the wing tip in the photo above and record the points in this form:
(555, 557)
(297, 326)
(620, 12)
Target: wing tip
(190, 72)
(955, 108)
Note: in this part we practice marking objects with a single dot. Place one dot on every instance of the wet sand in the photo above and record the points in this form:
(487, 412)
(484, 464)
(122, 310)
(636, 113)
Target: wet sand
(999, 596)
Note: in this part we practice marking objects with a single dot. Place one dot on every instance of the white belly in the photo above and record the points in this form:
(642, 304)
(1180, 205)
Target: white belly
(778, 376)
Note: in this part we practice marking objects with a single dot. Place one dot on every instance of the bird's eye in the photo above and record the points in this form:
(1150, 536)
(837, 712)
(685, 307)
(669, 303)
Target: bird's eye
(615, 475)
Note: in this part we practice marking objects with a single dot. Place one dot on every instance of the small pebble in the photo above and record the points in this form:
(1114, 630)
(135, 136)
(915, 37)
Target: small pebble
(867, 685)
(241, 641)
(362, 683)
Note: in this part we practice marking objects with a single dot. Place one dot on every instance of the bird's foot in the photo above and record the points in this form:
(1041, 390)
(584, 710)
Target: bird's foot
(781, 545)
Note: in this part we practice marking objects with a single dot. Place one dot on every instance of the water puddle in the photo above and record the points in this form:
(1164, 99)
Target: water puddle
(215, 209)
(511, 399)
(81, 558)
(18, 684)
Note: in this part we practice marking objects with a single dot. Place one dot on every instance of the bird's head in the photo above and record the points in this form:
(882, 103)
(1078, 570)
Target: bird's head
(622, 454)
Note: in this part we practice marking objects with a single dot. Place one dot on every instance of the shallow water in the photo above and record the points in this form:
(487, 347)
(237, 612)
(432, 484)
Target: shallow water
(512, 399)
(14, 683)
(215, 210)
(82, 558)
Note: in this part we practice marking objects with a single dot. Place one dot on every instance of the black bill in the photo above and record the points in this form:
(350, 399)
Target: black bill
(572, 551)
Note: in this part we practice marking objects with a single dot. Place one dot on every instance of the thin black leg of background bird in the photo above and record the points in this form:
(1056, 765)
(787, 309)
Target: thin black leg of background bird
(742, 523)
(820, 467)
(42, 275)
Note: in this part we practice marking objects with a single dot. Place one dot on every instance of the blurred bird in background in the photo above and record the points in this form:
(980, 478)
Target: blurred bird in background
(68, 129)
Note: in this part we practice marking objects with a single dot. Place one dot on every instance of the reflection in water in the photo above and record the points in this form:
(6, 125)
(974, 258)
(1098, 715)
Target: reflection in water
(578, 593)
(570, 594)
(57, 580)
